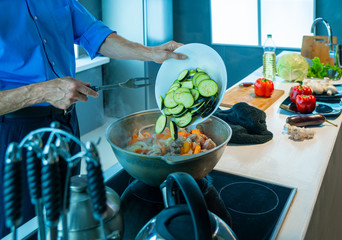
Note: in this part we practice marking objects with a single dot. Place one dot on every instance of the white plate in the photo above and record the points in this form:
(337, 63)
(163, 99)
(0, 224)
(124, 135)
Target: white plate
(199, 55)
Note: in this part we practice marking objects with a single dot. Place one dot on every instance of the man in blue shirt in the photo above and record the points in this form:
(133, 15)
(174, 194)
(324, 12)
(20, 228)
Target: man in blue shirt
(37, 67)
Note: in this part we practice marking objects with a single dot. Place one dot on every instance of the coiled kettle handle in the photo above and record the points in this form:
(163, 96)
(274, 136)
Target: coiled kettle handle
(194, 200)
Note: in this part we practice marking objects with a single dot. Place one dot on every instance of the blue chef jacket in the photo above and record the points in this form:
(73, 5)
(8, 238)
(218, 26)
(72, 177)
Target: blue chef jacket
(37, 39)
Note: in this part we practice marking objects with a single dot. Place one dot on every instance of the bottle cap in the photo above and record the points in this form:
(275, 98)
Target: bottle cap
(269, 35)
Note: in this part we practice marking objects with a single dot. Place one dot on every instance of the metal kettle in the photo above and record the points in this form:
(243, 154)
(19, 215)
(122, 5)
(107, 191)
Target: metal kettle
(80, 218)
(191, 220)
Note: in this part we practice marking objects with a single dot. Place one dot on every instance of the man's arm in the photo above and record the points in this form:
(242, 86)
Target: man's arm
(59, 92)
(115, 46)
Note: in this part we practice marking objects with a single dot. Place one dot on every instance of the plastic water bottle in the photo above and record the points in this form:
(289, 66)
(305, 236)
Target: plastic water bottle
(269, 58)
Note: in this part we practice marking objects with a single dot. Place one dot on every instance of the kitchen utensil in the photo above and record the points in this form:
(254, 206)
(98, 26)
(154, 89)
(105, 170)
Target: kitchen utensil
(201, 56)
(33, 168)
(130, 83)
(153, 170)
(12, 188)
(246, 94)
(51, 189)
(318, 46)
(193, 217)
(81, 222)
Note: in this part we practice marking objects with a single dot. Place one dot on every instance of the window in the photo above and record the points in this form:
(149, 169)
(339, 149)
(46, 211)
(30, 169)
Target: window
(247, 22)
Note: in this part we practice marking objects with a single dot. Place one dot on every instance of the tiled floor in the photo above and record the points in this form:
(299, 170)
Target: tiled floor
(105, 151)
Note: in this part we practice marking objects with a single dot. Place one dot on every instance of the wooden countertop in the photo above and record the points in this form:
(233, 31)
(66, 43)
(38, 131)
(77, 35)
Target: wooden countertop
(299, 164)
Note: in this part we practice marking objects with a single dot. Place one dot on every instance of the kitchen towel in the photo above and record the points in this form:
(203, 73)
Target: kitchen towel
(248, 124)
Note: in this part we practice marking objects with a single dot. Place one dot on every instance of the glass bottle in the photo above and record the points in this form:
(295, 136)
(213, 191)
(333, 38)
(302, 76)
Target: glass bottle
(269, 58)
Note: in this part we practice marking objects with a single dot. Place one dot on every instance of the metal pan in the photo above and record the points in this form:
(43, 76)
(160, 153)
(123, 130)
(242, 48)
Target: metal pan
(153, 170)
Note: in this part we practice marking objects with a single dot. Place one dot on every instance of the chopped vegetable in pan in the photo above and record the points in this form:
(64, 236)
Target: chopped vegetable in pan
(187, 143)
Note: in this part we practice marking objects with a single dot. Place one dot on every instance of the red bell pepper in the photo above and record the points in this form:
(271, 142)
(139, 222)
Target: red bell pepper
(299, 90)
(305, 103)
(263, 87)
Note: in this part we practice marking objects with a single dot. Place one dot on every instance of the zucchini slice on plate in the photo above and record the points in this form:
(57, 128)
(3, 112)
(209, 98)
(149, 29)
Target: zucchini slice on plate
(184, 98)
(181, 113)
(207, 88)
(195, 93)
(176, 110)
(167, 111)
(169, 100)
(182, 75)
(160, 124)
(200, 78)
(184, 120)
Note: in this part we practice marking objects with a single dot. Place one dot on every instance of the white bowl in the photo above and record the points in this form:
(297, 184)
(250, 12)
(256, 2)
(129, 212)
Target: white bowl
(201, 56)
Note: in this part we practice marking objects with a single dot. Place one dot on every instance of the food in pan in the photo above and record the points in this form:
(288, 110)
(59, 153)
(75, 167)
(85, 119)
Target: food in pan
(188, 142)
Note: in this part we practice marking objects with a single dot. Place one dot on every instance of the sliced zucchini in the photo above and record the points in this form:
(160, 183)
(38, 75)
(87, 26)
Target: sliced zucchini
(199, 69)
(210, 106)
(167, 111)
(172, 89)
(169, 100)
(200, 107)
(181, 113)
(196, 76)
(195, 93)
(181, 90)
(177, 84)
(184, 98)
(201, 78)
(173, 130)
(161, 102)
(176, 110)
(207, 88)
(183, 74)
(187, 84)
(184, 120)
(160, 124)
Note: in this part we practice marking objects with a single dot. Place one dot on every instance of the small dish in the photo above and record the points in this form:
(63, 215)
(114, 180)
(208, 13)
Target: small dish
(199, 56)
(327, 108)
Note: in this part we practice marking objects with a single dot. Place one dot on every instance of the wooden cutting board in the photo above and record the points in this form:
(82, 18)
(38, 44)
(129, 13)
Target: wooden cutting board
(317, 46)
(246, 94)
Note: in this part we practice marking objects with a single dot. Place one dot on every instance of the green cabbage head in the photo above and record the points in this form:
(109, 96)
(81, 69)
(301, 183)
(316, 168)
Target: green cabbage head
(292, 67)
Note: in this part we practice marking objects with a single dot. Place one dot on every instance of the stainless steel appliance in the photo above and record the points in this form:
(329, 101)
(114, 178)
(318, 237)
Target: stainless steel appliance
(149, 22)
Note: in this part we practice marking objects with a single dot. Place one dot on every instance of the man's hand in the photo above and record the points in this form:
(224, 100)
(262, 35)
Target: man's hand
(62, 92)
(165, 51)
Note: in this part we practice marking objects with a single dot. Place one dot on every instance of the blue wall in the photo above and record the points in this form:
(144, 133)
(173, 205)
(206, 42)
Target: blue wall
(192, 24)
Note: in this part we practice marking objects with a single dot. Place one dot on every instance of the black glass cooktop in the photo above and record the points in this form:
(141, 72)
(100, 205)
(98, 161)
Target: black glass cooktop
(256, 208)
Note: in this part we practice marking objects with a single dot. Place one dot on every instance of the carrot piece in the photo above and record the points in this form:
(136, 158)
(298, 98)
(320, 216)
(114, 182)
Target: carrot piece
(183, 134)
(132, 141)
(163, 150)
(166, 136)
(147, 134)
(197, 149)
(186, 147)
(135, 136)
(196, 131)
(160, 135)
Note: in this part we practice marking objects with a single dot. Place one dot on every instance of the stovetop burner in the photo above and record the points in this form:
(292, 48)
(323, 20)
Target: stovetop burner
(238, 198)
(257, 208)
